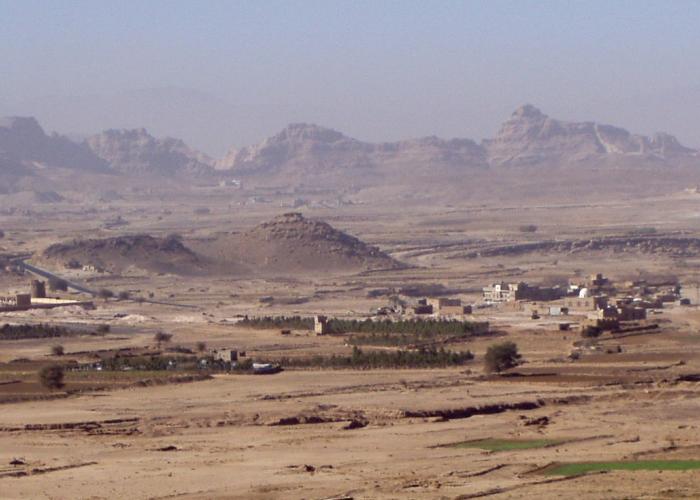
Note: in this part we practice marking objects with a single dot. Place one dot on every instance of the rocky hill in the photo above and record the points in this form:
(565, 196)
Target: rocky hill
(124, 253)
(291, 244)
(138, 152)
(23, 141)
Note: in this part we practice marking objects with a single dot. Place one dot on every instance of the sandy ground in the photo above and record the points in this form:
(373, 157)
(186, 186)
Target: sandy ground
(226, 446)
(605, 406)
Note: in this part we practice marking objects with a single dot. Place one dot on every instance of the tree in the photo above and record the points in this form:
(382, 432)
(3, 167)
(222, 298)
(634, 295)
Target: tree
(501, 356)
(51, 376)
(58, 285)
(161, 337)
(201, 346)
(105, 294)
(57, 350)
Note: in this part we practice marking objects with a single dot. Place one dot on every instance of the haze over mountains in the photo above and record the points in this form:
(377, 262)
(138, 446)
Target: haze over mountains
(306, 153)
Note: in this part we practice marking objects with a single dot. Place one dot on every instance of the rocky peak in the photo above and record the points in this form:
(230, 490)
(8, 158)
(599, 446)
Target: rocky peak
(528, 111)
(21, 124)
(299, 132)
(23, 139)
(529, 137)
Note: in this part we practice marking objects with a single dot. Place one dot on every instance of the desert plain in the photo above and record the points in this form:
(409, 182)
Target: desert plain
(317, 432)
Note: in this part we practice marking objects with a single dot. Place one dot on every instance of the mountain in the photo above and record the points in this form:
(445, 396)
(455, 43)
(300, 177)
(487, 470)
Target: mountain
(305, 153)
(11, 166)
(137, 152)
(309, 155)
(308, 152)
(23, 141)
(529, 137)
(300, 145)
(290, 244)
(190, 114)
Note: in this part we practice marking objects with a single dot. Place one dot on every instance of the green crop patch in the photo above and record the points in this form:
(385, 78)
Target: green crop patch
(574, 468)
(508, 444)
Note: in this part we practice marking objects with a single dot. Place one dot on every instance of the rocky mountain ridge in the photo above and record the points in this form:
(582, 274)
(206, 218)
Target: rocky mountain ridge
(305, 151)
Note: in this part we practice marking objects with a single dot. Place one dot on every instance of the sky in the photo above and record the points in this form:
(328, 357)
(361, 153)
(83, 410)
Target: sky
(223, 74)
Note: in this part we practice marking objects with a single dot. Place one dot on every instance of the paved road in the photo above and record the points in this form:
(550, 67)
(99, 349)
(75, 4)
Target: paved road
(49, 275)
(77, 286)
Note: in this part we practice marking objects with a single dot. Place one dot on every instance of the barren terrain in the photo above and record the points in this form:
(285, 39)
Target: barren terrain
(311, 432)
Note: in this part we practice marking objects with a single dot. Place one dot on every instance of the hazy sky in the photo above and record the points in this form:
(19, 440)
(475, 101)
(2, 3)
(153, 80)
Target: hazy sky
(227, 73)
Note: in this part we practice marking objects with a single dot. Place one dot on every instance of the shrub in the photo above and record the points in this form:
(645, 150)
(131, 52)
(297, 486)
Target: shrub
(201, 346)
(161, 337)
(105, 294)
(28, 331)
(51, 376)
(103, 328)
(501, 356)
(123, 295)
(528, 228)
(57, 350)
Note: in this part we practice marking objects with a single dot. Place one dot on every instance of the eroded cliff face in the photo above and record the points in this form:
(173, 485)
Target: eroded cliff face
(529, 137)
(137, 152)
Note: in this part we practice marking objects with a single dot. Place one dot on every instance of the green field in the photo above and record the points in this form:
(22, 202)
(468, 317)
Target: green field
(507, 444)
(574, 468)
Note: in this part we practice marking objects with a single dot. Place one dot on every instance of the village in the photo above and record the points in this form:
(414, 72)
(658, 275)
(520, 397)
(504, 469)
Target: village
(590, 306)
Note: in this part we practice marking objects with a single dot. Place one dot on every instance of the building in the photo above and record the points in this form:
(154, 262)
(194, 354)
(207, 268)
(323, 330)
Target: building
(321, 326)
(447, 307)
(558, 310)
(226, 355)
(632, 313)
(499, 292)
(23, 300)
(235, 183)
(586, 303)
(509, 292)
(38, 289)
(422, 309)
